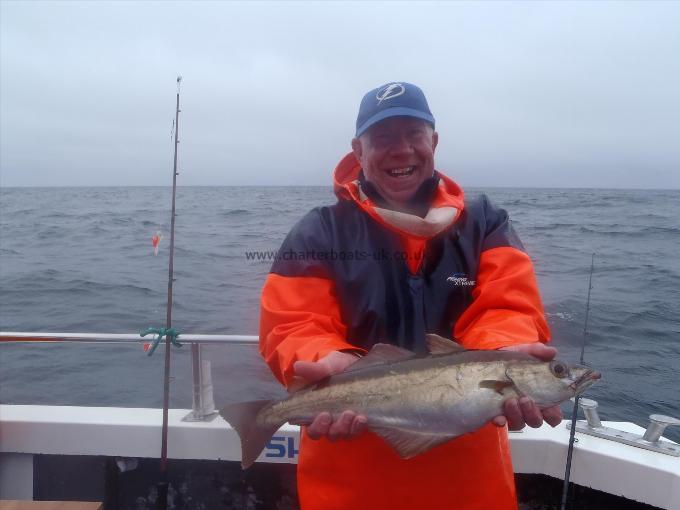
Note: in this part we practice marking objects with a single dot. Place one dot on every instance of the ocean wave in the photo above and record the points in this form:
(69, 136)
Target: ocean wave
(564, 316)
(48, 233)
(660, 230)
(652, 216)
(52, 281)
(119, 221)
(550, 226)
(235, 212)
(612, 231)
(149, 224)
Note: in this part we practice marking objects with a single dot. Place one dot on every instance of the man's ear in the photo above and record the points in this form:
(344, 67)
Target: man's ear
(357, 148)
(435, 140)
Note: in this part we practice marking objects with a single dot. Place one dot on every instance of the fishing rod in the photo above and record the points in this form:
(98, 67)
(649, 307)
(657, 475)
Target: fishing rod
(162, 502)
(574, 412)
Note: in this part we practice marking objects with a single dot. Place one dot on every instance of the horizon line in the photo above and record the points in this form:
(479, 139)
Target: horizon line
(315, 186)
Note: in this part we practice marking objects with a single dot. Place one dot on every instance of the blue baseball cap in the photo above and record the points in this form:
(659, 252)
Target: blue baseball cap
(395, 99)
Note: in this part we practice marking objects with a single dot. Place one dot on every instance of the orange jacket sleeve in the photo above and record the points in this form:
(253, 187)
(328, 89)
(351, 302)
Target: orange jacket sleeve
(506, 307)
(299, 320)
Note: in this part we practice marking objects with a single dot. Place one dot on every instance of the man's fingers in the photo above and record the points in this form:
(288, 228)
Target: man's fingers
(348, 425)
(338, 361)
(513, 414)
(524, 411)
(311, 370)
(536, 349)
(340, 428)
(543, 352)
(319, 427)
(530, 413)
(553, 416)
(500, 421)
(358, 425)
(333, 363)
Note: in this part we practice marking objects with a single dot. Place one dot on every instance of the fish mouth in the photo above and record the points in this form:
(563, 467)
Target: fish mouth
(585, 380)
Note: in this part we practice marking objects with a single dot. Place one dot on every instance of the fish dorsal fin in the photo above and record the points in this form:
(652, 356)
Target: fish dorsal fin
(409, 443)
(439, 345)
(381, 354)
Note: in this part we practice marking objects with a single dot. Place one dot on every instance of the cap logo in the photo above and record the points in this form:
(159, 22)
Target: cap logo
(390, 91)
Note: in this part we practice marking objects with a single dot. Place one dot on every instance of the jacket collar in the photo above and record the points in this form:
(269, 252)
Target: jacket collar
(447, 203)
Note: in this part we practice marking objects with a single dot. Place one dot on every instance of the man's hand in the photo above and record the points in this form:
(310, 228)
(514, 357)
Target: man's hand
(518, 413)
(349, 424)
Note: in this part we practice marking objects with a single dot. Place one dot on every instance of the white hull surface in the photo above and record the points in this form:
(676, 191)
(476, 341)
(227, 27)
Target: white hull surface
(133, 433)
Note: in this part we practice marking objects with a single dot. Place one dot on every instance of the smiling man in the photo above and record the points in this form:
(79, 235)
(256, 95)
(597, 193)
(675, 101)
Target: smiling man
(396, 144)
(401, 254)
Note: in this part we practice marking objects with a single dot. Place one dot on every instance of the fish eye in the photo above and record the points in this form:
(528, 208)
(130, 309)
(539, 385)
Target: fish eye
(559, 369)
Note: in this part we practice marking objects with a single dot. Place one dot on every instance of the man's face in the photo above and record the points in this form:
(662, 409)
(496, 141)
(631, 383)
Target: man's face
(397, 156)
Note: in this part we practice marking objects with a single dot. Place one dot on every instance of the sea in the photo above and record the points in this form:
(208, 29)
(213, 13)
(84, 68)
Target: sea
(81, 260)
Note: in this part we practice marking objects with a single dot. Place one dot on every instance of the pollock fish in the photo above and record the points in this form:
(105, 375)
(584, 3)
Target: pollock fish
(414, 402)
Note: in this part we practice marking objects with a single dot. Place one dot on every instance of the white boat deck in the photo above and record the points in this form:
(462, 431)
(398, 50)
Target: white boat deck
(26, 430)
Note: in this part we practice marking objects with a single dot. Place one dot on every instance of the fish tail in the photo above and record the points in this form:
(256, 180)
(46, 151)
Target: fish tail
(254, 438)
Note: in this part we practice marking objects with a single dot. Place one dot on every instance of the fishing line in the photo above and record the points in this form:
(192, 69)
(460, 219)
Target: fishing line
(574, 412)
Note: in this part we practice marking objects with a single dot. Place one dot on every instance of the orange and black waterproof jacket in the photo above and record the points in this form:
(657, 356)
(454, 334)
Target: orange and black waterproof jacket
(355, 274)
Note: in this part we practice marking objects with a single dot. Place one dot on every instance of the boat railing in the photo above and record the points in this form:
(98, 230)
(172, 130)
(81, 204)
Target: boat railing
(203, 406)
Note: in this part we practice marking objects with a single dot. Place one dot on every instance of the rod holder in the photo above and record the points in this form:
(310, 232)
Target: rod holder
(590, 410)
(657, 424)
(203, 408)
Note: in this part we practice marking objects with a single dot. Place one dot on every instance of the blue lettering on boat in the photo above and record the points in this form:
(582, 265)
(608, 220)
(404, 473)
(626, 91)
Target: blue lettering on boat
(280, 447)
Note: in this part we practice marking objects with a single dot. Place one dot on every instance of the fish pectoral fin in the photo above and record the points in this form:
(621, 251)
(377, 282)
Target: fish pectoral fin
(497, 386)
(439, 345)
(409, 443)
(381, 354)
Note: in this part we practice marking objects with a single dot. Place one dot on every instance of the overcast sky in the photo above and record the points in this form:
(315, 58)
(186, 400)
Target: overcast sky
(542, 94)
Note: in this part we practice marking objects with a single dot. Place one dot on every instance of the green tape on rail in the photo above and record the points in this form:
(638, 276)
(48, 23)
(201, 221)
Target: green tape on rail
(171, 333)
